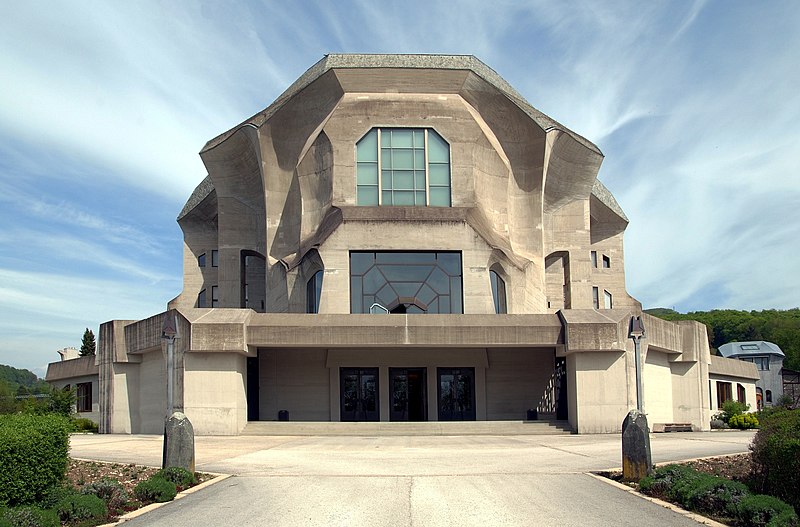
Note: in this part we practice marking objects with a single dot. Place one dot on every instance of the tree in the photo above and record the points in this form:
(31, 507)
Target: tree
(87, 343)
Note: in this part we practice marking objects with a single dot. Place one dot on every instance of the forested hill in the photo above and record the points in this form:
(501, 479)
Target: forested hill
(15, 377)
(726, 325)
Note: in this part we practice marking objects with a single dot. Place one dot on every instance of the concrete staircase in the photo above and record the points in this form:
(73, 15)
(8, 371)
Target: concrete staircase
(429, 428)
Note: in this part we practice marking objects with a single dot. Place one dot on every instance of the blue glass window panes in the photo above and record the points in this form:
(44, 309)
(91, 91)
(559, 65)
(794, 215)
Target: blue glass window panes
(407, 176)
(406, 282)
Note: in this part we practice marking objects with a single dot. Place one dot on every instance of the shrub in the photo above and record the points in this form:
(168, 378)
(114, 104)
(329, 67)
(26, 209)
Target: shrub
(743, 421)
(27, 516)
(718, 424)
(178, 475)
(33, 456)
(730, 408)
(776, 456)
(82, 424)
(155, 489)
(81, 507)
(109, 490)
(758, 509)
(664, 479)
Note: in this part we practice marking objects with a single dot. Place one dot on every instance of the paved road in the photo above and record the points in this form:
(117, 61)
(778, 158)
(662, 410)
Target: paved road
(410, 481)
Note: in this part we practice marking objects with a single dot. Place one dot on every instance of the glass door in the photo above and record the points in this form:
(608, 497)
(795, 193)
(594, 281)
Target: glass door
(456, 394)
(359, 394)
(408, 390)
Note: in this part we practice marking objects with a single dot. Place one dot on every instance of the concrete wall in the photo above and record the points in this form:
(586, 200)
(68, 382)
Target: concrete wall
(214, 392)
(519, 379)
(152, 394)
(296, 380)
(657, 386)
(598, 391)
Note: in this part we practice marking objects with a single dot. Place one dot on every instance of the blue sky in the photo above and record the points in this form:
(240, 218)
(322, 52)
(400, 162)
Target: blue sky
(104, 106)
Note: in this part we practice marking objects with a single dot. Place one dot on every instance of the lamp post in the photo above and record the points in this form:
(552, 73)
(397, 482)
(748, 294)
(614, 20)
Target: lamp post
(636, 332)
(636, 455)
(169, 332)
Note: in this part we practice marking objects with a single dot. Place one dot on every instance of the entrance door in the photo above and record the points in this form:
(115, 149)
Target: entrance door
(407, 387)
(359, 394)
(456, 394)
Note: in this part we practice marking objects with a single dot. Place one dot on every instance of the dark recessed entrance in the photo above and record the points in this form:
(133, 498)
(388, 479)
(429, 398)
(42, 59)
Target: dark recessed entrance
(359, 394)
(456, 388)
(408, 389)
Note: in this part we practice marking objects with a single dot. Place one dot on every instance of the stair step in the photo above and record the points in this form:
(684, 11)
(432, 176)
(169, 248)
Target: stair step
(428, 428)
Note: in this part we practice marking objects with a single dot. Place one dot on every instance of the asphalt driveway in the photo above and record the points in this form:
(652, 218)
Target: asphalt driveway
(405, 481)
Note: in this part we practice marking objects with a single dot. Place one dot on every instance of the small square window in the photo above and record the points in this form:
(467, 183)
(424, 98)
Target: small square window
(214, 258)
(606, 262)
(201, 260)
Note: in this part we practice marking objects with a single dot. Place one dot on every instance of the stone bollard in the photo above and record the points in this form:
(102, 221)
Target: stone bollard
(178, 442)
(637, 460)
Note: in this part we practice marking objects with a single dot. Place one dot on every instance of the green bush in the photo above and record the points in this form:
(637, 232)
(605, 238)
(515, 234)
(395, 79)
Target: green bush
(776, 456)
(178, 475)
(27, 516)
(109, 490)
(731, 408)
(743, 421)
(155, 489)
(758, 509)
(81, 507)
(81, 424)
(33, 456)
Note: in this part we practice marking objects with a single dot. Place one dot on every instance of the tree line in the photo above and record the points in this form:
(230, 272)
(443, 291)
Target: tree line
(781, 327)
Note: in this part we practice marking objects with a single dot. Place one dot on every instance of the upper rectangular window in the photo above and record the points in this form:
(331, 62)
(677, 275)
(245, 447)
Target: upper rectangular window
(214, 296)
(608, 302)
(214, 258)
(594, 259)
(403, 166)
(606, 262)
(595, 298)
(201, 260)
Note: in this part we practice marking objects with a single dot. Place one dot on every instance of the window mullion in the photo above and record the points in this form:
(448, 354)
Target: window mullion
(380, 171)
(427, 178)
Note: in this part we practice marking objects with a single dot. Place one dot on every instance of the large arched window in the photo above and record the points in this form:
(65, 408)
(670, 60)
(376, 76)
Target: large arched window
(313, 292)
(403, 166)
(498, 293)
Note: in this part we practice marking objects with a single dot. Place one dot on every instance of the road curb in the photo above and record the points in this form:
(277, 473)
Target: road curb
(667, 505)
(218, 478)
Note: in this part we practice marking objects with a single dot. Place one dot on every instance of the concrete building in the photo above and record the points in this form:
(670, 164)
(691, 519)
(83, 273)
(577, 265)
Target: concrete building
(80, 373)
(401, 238)
(768, 359)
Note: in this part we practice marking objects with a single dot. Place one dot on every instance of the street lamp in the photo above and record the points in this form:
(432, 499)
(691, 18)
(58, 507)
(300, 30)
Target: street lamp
(169, 332)
(636, 332)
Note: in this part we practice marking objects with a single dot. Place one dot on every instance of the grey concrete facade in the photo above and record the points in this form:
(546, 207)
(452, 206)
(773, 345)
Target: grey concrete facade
(282, 207)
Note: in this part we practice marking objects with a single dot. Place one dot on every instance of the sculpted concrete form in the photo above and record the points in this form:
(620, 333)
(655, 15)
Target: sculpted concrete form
(505, 278)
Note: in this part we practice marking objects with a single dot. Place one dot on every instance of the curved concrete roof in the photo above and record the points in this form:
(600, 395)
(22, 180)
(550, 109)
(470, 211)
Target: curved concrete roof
(753, 347)
(430, 62)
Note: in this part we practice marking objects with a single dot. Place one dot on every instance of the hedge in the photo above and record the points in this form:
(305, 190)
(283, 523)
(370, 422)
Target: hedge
(33, 456)
(776, 456)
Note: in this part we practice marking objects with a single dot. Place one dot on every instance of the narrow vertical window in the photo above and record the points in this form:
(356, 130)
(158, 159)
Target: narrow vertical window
(769, 396)
(201, 299)
(214, 258)
(741, 394)
(606, 262)
(608, 303)
(214, 296)
(201, 260)
(313, 292)
(595, 298)
(498, 293)
(594, 259)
